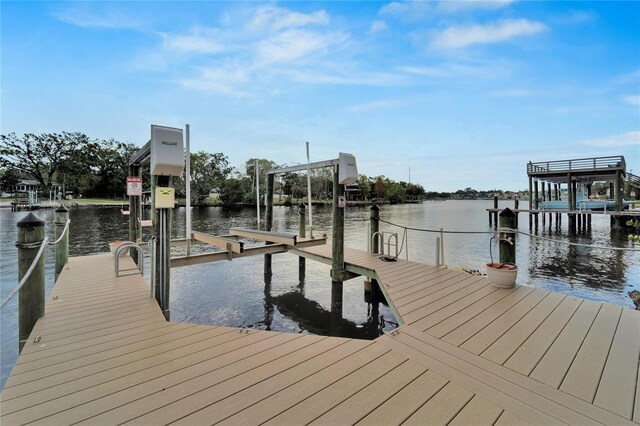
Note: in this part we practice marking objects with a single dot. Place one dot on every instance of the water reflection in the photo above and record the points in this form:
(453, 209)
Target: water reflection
(312, 317)
(579, 266)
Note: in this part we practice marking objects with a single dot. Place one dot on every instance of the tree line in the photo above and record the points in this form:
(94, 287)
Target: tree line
(99, 167)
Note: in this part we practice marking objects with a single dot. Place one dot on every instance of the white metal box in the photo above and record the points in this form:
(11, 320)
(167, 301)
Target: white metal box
(167, 151)
(347, 169)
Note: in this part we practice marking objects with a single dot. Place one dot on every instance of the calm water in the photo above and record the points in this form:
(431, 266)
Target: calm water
(235, 293)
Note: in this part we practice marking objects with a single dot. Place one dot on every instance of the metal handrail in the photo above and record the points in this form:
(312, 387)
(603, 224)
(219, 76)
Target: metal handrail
(126, 245)
(579, 164)
(393, 235)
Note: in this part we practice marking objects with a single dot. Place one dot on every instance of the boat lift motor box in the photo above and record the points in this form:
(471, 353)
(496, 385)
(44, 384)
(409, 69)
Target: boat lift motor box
(167, 151)
(347, 169)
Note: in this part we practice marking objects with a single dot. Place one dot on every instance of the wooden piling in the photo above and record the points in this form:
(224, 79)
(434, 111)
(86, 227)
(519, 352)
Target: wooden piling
(536, 203)
(571, 204)
(530, 203)
(301, 234)
(31, 295)
(62, 248)
(495, 206)
(516, 206)
(337, 254)
(268, 220)
(617, 184)
(507, 249)
(375, 228)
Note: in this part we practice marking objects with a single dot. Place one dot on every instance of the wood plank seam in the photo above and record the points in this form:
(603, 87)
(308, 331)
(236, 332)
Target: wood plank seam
(579, 346)
(456, 355)
(608, 352)
(554, 340)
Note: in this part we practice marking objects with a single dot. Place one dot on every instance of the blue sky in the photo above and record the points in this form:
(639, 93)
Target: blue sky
(462, 93)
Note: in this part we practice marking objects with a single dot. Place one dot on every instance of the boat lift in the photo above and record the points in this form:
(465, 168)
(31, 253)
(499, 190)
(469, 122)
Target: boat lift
(166, 154)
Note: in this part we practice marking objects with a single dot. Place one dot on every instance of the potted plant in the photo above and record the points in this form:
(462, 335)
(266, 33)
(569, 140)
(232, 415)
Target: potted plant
(503, 274)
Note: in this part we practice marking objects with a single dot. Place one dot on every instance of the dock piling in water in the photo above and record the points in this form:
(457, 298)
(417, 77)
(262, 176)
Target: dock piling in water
(62, 248)
(301, 234)
(507, 244)
(31, 295)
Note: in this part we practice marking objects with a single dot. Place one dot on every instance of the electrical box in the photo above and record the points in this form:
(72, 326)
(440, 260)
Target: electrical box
(347, 169)
(165, 197)
(167, 151)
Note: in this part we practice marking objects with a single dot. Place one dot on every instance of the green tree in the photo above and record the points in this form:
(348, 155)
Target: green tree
(364, 187)
(208, 171)
(232, 191)
(263, 166)
(9, 178)
(40, 156)
(379, 188)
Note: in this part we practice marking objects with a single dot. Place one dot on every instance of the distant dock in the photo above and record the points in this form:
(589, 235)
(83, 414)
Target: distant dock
(466, 353)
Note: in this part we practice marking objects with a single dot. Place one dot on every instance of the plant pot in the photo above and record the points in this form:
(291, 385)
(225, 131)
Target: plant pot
(502, 275)
(114, 246)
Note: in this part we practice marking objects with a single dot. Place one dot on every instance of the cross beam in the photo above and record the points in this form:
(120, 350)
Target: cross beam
(272, 237)
(221, 242)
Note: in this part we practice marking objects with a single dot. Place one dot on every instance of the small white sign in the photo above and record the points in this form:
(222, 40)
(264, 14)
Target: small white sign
(342, 201)
(134, 186)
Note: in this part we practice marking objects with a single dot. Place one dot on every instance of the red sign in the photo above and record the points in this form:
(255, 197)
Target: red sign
(134, 185)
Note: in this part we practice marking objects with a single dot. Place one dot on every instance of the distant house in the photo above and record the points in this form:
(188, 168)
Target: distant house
(352, 192)
(28, 185)
(214, 193)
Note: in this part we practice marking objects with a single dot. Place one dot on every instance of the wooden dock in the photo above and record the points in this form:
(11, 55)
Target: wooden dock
(466, 353)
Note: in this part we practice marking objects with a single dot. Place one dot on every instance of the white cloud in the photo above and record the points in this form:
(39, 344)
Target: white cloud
(632, 100)
(458, 6)
(224, 80)
(408, 10)
(191, 43)
(293, 45)
(576, 17)
(463, 36)
(623, 139)
(276, 18)
(377, 26)
(81, 16)
(414, 10)
(486, 71)
(327, 75)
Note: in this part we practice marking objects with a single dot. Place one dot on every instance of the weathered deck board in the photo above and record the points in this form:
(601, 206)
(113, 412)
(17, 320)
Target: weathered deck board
(468, 353)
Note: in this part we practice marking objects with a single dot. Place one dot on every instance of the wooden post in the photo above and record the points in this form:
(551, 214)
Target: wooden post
(302, 234)
(495, 206)
(268, 220)
(507, 249)
(31, 295)
(337, 248)
(370, 283)
(530, 203)
(62, 248)
(618, 191)
(375, 228)
(571, 205)
(516, 206)
(536, 202)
